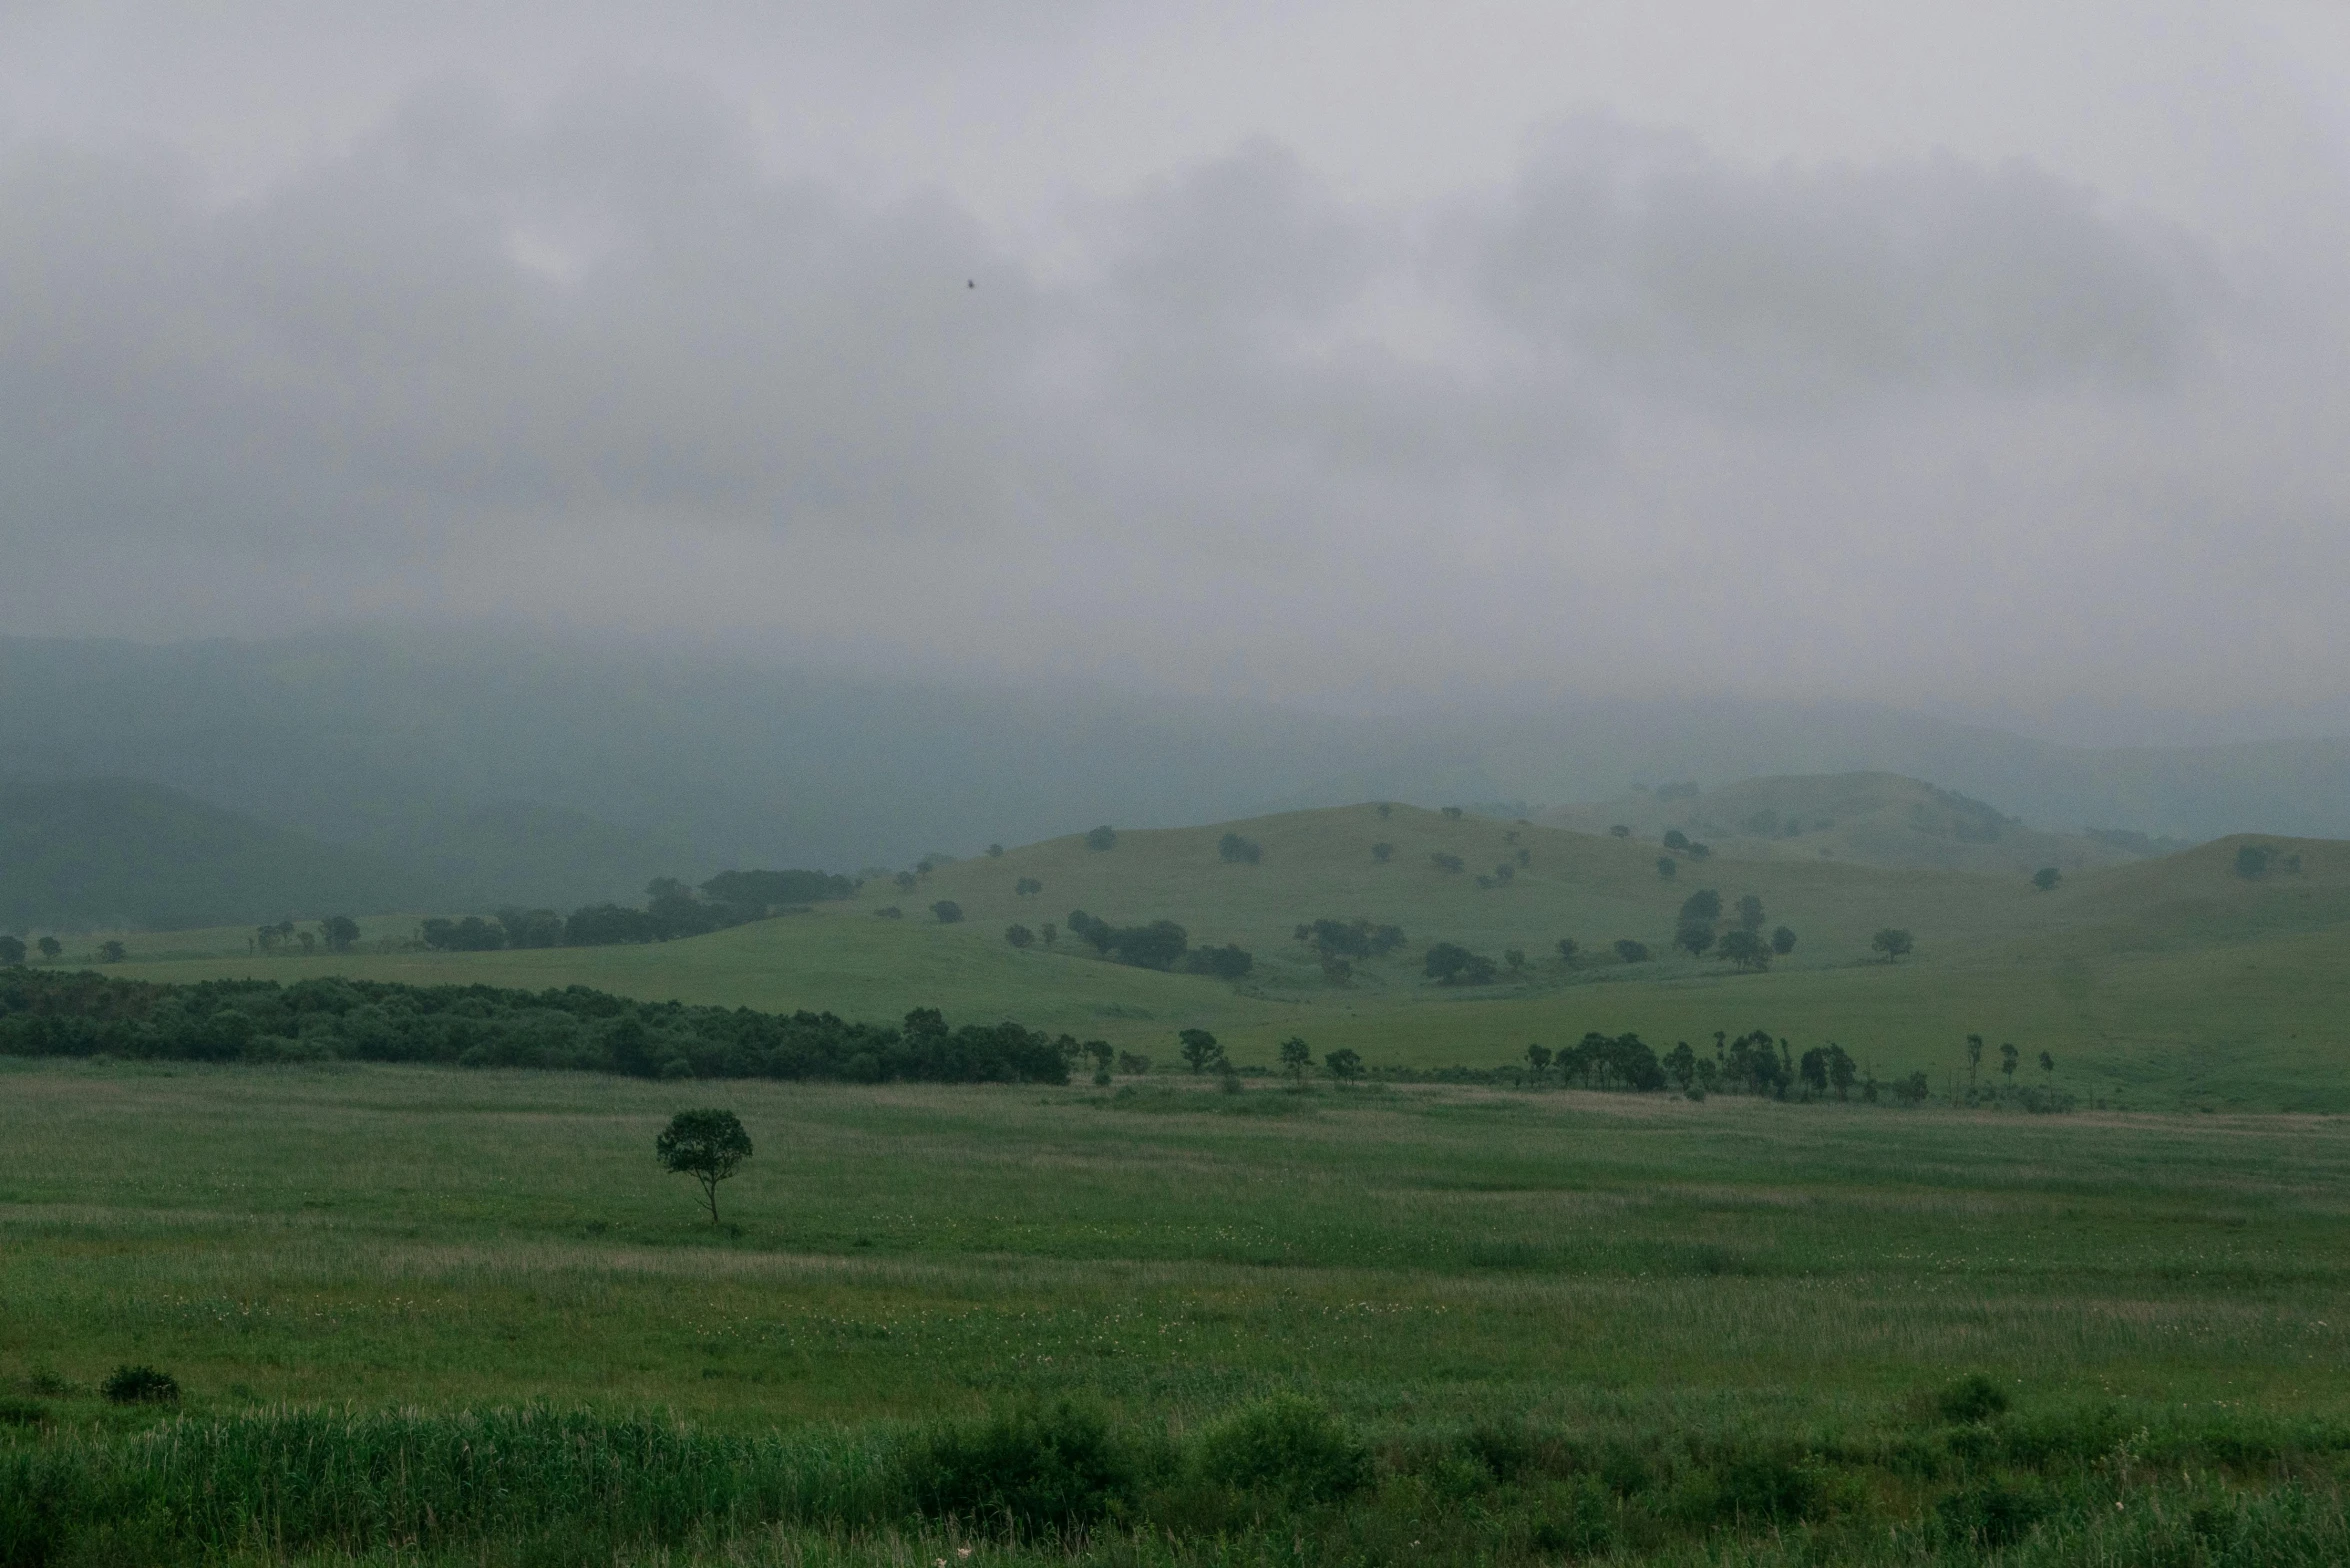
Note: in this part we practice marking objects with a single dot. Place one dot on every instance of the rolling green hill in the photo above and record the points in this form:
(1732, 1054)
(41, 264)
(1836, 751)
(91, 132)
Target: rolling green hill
(2161, 982)
(1875, 819)
(117, 852)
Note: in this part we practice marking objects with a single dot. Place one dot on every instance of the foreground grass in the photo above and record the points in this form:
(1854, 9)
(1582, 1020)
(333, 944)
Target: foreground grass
(1703, 1288)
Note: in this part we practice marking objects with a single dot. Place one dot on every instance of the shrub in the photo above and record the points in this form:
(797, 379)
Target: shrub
(140, 1385)
(1285, 1445)
(947, 911)
(1990, 1515)
(1033, 1468)
(1972, 1398)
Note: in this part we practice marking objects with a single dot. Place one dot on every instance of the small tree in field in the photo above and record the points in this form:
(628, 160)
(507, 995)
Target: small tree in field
(709, 1146)
(1296, 1058)
(1103, 837)
(1200, 1049)
(1892, 941)
(1382, 853)
(1667, 867)
(2048, 1064)
(1567, 948)
(1974, 1059)
(1344, 1064)
(2008, 1056)
(11, 950)
(2046, 878)
(50, 947)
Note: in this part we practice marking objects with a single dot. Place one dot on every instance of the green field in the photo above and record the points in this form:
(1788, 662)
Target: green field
(2157, 984)
(1676, 1280)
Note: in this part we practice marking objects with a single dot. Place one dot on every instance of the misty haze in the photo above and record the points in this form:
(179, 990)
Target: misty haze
(1491, 784)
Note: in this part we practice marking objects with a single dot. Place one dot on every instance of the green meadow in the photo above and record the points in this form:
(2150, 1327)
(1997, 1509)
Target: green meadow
(1555, 1325)
(2153, 985)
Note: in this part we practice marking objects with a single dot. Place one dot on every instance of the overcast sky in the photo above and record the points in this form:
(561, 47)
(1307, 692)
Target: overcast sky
(1989, 355)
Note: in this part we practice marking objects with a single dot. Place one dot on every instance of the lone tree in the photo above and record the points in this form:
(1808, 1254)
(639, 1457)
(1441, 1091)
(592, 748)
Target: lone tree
(1631, 952)
(1382, 853)
(1568, 947)
(1200, 1049)
(709, 1146)
(1027, 887)
(1974, 1059)
(2046, 878)
(1667, 867)
(1019, 935)
(1344, 1064)
(2008, 1056)
(1892, 942)
(1783, 941)
(1296, 1058)
(947, 911)
(50, 947)
(1103, 837)
(1235, 850)
(11, 950)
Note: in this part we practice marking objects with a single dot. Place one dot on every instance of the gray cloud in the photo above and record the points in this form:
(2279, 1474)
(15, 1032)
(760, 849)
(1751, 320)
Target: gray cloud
(1642, 416)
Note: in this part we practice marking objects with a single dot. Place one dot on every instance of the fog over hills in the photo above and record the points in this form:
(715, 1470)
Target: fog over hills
(552, 772)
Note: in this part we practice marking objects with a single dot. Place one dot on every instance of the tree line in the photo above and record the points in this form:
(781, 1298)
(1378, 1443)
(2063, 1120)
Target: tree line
(671, 910)
(48, 1013)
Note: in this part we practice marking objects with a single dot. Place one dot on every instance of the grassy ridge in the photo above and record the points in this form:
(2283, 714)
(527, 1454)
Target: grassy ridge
(2157, 983)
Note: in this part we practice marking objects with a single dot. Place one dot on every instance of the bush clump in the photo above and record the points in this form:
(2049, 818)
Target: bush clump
(1972, 1398)
(140, 1385)
(1033, 1469)
(1285, 1445)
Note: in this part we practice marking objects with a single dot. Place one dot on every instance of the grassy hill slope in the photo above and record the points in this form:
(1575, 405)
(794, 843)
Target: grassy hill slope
(117, 852)
(2164, 982)
(1877, 819)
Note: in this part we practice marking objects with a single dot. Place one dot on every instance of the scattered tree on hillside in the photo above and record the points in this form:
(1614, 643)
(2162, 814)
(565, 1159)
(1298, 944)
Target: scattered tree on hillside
(1232, 849)
(1703, 905)
(1100, 1051)
(1386, 810)
(1538, 1058)
(995, 851)
(1680, 1064)
(530, 928)
(1783, 941)
(1631, 952)
(1676, 839)
(1746, 949)
(1449, 864)
(111, 951)
(1027, 887)
(1449, 963)
(757, 893)
(2046, 878)
(1350, 938)
(50, 947)
(1515, 957)
(1525, 858)
(1667, 867)
(1049, 932)
(1134, 1064)
(1229, 962)
(1911, 1090)
(1452, 813)
(1750, 912)
(889, 912)
(2047, 1064)
(1019, 935)
(947, 911)
(476, 935)
(1382, 853)
(1892, 941)
(1343, 1064)
(2252, 861)
(1103, 837)
(906, 881)
(1567, 947)
(2008, 1057)
(1200, 1049)
(340, 933)
(1620, 831)
(1297, 1058)
(1698, 850)
(710, 1146)
(12, 950)
(1694, 935)
(1974, 1059)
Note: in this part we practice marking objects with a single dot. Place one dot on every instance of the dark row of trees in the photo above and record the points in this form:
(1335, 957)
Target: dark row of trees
(1162, 944)
(45, 1013)
(671, 910)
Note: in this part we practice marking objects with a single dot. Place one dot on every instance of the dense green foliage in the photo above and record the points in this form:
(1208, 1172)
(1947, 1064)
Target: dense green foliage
(45, 1013)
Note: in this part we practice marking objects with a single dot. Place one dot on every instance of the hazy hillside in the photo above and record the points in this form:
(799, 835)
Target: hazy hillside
(2170, 980)
(695, 762)
(113, 852)
(1876, 819)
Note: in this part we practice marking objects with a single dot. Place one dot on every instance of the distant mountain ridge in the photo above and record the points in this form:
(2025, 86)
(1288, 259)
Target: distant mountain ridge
(1874, 819)
(640, 762)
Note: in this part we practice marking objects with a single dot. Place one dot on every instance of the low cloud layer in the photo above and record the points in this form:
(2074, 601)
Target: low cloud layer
(1642, 416)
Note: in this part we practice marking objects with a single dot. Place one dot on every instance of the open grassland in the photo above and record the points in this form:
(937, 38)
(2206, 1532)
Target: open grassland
(2156, 984)
(1650, 1279)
